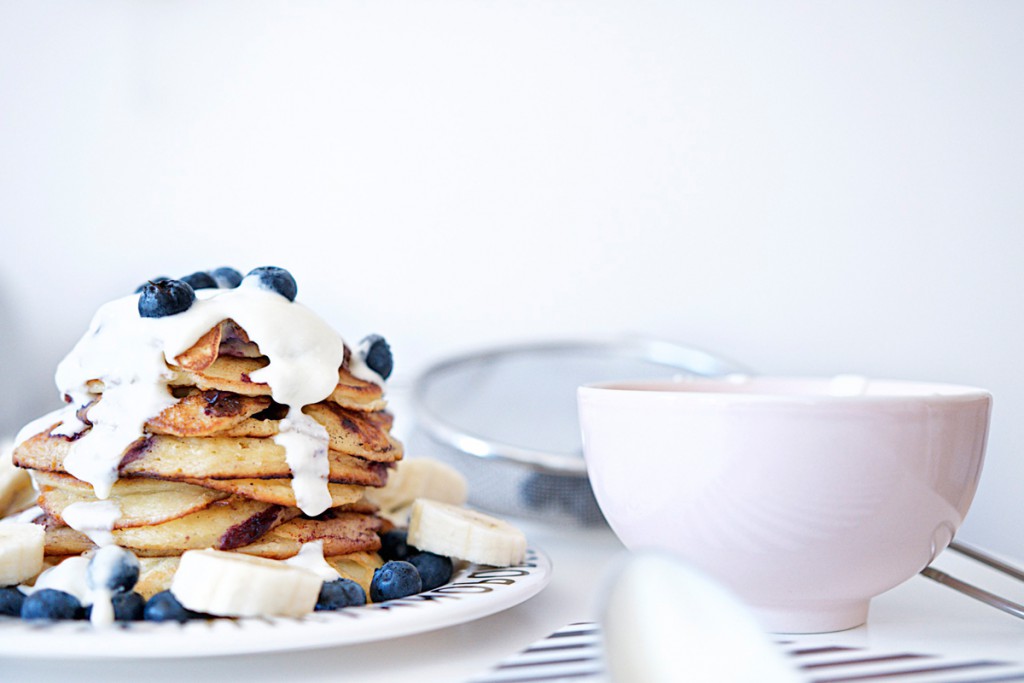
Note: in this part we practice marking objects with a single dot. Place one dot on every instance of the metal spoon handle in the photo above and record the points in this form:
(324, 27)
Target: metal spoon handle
(987, 597)
(987, 559)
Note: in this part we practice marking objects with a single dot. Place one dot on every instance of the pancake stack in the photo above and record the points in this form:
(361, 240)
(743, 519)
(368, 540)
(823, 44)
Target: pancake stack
(208, 471)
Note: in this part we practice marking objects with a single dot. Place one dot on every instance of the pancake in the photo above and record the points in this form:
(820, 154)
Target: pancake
(267, 531)
(142, 502)
(341, 533)
(224, 525)
(279, 491)
(356, 566)
(366, 435)
(224, 339)
(234, 374)
(222, 413)
(178, 459)
(206, 413)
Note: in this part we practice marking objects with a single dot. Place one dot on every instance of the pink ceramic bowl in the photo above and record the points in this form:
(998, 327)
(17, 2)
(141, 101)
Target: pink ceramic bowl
(806, 497)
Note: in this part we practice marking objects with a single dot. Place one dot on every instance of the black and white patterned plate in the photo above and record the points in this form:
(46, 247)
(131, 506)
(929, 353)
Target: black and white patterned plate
(474, 592)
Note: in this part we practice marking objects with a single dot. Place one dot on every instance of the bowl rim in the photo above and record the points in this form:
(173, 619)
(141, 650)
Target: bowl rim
(742, 389)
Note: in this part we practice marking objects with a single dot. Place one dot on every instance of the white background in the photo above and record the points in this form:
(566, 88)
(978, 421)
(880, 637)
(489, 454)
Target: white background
(805, 187)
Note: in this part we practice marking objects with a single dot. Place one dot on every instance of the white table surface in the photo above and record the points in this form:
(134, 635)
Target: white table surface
(919, 615)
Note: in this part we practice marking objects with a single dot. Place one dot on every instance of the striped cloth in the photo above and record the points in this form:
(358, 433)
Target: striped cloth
(573, 654)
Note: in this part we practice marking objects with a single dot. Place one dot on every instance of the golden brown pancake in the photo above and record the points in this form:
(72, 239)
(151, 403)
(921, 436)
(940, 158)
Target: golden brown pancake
(248, 527)
(234, 374)
(206, 413)
(280, 492)
(224, 525)
(142, 502)
(178, 459)
(221, 413)
(341, 533)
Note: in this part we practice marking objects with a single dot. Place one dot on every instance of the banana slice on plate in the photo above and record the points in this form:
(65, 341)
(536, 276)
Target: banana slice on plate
(15, 483)
(419, 478)
(465, 534)
(235, 585)
(21, 552)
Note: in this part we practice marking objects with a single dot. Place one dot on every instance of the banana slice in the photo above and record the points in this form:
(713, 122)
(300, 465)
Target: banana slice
(464, 534)
(235, 585)
(15, 484)
(21, 552)
(419, 478)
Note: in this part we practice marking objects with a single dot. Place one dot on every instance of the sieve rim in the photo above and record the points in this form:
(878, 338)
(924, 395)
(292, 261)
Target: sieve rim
(680, 357)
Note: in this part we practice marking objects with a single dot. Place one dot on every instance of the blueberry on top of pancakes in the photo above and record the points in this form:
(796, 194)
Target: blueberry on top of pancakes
(377, 354)
(200, 280)
(158, 278)
(275, 279)
(226, 278)
(165, 297)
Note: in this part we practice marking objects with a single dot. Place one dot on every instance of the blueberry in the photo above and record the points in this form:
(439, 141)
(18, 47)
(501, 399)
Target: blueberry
(10, 601)
(275, 279)
(393, 545)
(167, 297)
(158, 278)
(113, 568)
(340, 593)
(226, 278)
(435, 570)
(165, 607)
(396, 579)
(200, 280)
(127, 607)
(377, 355)
(50, 603)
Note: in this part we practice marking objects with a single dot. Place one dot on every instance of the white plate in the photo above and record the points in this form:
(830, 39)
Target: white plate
(475, 591)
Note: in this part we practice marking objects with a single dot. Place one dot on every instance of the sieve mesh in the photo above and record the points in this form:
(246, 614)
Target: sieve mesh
(506, 418)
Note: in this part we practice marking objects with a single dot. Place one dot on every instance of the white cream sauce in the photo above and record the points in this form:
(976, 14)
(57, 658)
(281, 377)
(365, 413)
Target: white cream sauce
(104, 565)
(68, 576)
(311, 557)
(305, 448)
(102, 607)
(23, 517)
(95, 519)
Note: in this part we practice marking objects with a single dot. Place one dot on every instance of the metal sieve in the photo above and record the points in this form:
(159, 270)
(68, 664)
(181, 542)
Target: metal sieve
(506, 417)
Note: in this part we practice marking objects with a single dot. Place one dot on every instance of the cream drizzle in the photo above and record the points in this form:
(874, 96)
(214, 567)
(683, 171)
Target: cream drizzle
(311, 557)
(103, 565)
(68, 576)
(23, 517)
(95, 519)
